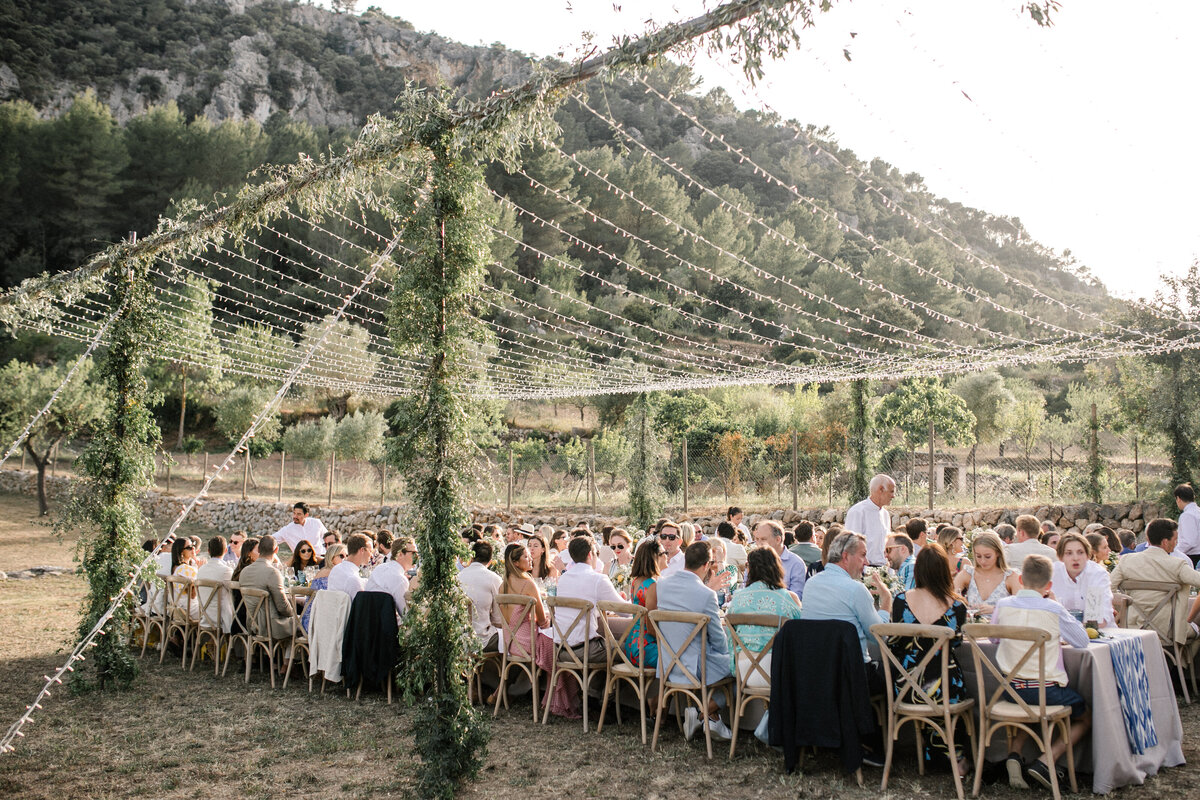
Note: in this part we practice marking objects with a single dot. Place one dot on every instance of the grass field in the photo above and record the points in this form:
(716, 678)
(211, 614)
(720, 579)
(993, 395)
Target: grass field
(178, 734)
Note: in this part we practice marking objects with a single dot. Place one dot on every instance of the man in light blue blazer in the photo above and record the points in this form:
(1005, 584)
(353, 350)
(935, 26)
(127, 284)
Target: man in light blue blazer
(687, 590)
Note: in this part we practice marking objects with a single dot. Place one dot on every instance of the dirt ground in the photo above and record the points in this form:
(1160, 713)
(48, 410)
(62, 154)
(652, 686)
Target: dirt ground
(179, 734)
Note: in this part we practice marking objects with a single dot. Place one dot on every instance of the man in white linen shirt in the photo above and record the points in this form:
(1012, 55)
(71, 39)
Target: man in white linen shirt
(671, 537)
(303, 527)
(392, 575)
(216, 569)
(584, 584)
(481, 586)
(344, 577)
(1027, 544)
(871, 518)
(1189, 521)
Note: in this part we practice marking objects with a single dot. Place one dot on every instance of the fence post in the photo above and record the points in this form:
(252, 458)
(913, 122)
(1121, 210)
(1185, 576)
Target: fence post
(829, 461)
(22, 459)
(167, 460)
(591, 453)
(508, 502)
(1137, 487)
(282, 460)
(685, 476)
(795, 469)
(383, 484)
(332, 465)
(1093, 472)
(931, 443)
(245, 472)
(204, 476)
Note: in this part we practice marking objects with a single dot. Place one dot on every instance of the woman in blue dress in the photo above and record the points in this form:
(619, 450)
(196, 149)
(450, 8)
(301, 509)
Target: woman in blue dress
(933, 601)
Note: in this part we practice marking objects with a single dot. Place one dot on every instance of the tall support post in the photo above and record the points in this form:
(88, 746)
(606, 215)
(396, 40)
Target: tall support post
(118, 467)
(383, 484)
(860, 432)
(932, 441)
(332, 467)
(282, 466)
(167, 463)
(245, 472)
(1137, 483)
(591, 475)
(685, 476)
(511, 475)
(795, 473)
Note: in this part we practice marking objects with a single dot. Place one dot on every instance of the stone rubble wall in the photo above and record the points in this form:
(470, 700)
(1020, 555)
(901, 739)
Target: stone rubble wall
(258, 516)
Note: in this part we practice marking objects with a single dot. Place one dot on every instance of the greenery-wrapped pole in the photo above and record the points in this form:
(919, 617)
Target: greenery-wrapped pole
(860, 430)
(119, 467)
(432, 315)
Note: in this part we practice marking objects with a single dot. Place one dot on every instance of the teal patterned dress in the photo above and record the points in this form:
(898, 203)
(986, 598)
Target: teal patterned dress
(648, 657)
(758, 598)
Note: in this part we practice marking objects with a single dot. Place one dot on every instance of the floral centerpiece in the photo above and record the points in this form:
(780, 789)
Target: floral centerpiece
(620, 578)
(886, 576)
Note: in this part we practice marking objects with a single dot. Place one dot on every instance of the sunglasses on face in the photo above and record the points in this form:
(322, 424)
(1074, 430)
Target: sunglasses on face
(669, 536)
(618, 547)
(410, 552)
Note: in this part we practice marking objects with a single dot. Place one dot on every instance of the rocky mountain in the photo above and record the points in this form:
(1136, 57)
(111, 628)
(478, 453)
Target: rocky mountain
(231, 59)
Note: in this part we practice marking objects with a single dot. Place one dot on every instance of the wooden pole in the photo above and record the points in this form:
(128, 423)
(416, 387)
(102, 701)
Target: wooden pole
(245, 472)
(1051, 446)
(591, 452)
(204, 476)
(332, 465)
(167, 460)
(511, 460)
(1137, 485)
(795, 470)
(282, 460)
(22, 459)
(685, 476)
(829, 461)
(382, 484)
(931, 461)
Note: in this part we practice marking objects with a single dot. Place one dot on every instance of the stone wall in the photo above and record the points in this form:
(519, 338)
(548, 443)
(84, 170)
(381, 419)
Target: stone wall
(259, 517)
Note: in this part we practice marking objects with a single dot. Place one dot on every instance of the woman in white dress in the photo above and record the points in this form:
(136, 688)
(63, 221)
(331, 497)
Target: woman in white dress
(989, 579)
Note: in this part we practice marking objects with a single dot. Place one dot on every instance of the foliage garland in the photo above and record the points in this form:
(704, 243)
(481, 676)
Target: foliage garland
(645, 493)
(859, 438)
(118, 466)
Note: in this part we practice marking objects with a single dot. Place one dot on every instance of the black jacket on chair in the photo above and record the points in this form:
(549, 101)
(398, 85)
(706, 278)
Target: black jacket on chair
(819, 695)
(370, 647)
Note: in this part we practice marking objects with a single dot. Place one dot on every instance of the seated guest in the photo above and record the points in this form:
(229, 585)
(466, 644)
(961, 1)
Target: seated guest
(1028, 531)
(1006, 533)
(764, 594)
(302, 527)
(1160, 562)
(620, 543)
(543, 573)
(344, 577)
(649, 561)
(990, 578)
(584, 584)
(734, 551)
(917, 530)
(334, 553)
(769, 533)
(392, 575)
(671, 537)
(217, 569)
(1100, 548)
(1051, 539)
(1128, 540)
(837, 592)
(383, 547)
(932, 601)
(481, 586)
(303, 557)
(899, 555)
(1076, 575)
(263, 575)
(183, 552)
(1048, 527)
(558, 550)
(808, 552)
(1034, 606)
(330, 538)
(234, 552)
(727, 579)
(249, 556)
(688, 590)
(952, 541)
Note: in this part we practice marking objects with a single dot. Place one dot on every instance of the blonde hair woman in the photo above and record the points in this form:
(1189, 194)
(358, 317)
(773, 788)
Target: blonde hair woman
(990, 579)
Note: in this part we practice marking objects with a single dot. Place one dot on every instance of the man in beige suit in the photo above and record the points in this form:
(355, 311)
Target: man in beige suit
(263, 576)
(1156, 563)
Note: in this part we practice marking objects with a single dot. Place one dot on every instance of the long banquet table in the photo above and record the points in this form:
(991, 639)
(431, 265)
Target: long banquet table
(1109, 757)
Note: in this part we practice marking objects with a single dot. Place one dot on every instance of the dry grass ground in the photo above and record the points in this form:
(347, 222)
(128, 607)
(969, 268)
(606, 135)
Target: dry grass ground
(187, 735)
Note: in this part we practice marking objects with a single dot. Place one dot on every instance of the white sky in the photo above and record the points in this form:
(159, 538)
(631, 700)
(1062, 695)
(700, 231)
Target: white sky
(1086, 131)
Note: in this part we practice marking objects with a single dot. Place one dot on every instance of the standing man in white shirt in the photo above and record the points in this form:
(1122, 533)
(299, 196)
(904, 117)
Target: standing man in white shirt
(872, 519)
(671, 538)
(392, 575)
(1189, 521)
(344, 577)
(303, 527)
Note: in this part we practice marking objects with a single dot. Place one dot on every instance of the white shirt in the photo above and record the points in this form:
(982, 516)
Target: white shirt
(389, 577)
(215, 570)
(1189, 529)
(873, 522)
(745, 529)
(482, 585)
(1016, 553)
(675, 563)
(344, 578)
(164, 563)
(1072, 594)
(582, 584)
(313, 530)
(735, 553)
